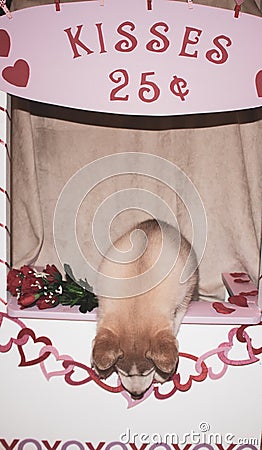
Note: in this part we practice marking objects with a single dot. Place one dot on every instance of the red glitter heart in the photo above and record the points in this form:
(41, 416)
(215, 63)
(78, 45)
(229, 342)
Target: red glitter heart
(238, 300)
(222, 309)
(250, 293)
(239, 280)
(238, 274)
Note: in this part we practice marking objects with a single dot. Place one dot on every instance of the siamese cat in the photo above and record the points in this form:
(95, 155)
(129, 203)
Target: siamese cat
(136, 334)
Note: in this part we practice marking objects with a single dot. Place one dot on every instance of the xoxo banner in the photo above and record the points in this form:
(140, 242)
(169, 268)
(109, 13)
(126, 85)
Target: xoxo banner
(125, 58)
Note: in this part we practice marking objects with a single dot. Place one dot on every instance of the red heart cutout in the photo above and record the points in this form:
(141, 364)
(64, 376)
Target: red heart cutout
(68, 375)
(5, 43)
(221, 308)
(238, 300)
(18, 74)
(224, 355)
(30, 333)
(91, 376)
(200, 377)
(177, 379)
(241, 337)
(6, 347)
(259, 83)
(57, 372)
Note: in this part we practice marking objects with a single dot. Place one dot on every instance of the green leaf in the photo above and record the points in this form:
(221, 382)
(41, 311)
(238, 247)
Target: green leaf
(85, 285)
(74, 283)
(74, 302)
(58, 277)
(69, 272)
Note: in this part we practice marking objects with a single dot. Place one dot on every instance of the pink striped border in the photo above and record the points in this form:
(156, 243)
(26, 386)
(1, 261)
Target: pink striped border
(5, 159)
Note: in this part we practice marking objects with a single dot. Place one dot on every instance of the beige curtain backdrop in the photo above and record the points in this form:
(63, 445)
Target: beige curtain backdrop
(221, 154)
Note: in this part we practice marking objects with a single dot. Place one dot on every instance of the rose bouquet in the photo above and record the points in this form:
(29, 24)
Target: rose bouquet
(47, 288)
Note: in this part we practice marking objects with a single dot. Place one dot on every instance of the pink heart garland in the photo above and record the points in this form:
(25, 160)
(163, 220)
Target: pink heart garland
(241, 337)
(42, 339)
(18, 74)
(17, 341)
(90, 375)
(223, 355)
(211, 373)
(54, 373)
(177, 385)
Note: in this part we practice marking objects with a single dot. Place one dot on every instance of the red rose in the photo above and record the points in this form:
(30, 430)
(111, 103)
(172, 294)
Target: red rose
(27, 270)
(47, 301)
(26, 300)
(14, 281)
(53, 273)
(31, 284)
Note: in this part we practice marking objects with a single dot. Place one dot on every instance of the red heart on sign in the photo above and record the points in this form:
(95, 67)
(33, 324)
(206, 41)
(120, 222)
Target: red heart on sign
(259, 83)
(5, 43)
(18, 74)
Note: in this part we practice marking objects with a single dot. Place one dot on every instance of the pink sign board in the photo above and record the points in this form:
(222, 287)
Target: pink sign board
(122, 57)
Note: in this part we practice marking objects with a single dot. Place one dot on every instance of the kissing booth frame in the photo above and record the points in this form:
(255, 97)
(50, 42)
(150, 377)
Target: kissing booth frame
(199, 398)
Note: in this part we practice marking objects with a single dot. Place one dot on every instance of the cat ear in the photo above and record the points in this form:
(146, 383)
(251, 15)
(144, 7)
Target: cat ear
(163, 351)
(106, 352)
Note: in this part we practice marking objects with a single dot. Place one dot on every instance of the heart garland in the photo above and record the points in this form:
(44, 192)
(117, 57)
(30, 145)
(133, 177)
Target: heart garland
(54, 373)
(241, 337)
(31, 362)
(16, 341)
(71, 369)
(91, 376)
(176, 380)
(223, 355)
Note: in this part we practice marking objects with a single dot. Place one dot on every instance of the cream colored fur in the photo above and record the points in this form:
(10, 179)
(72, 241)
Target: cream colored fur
(136, 336)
